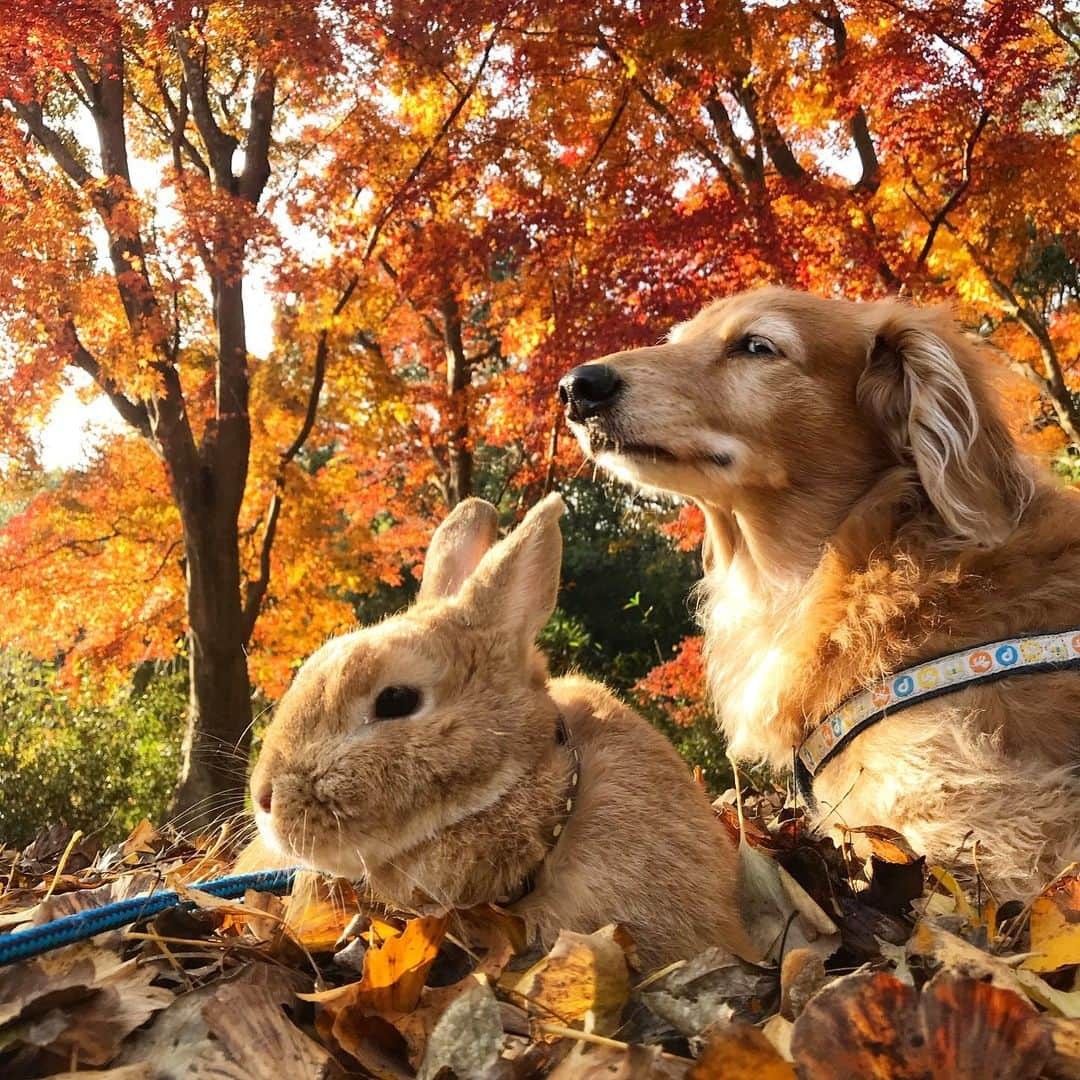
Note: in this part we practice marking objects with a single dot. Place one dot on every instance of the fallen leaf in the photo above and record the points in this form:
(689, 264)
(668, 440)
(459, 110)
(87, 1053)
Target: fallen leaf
(739, 1051)
(712, 987)
(79, 1003)
(614, 1063)
(871, 1024)
(777, 1029)
(1064, 1063)
(779, 912)
(887, 844)
(371, 1040)
(318, 911)
(802, 975)
(583, 973)
(1055, 927)
(940, 948)
(238, 1030)
(468, 1037)
(144, 839)
(860, 1025)
(394, 971)
(895, 885)
(977, 1030)
(62, 976)
(962, 905)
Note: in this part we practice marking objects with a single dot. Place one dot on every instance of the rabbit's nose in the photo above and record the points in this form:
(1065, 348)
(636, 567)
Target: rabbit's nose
(264, 798)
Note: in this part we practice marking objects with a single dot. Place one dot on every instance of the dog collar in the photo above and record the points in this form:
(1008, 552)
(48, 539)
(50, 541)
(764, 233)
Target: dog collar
(942, 675)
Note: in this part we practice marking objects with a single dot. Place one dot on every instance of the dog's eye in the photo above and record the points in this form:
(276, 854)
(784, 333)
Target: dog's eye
(757, 346)
(396, 701)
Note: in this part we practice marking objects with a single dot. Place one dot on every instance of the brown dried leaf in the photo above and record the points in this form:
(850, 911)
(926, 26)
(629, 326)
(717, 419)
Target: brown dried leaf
(81, 1001)
(960, 1029)
(612, 1063)
(371, 1040)
(467, 1038)
(713, 986)
(887, 844)
(860, 1025)
(144, 839)
(1064, 1063)
(974, 1030)
(57, 978)
(802, 975)
(738, 1051)
(236, 1030)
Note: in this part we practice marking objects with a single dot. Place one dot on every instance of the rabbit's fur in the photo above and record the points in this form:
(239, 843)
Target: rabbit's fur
(458, 802)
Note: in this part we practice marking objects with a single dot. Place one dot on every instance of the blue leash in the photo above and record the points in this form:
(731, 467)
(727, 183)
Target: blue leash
(22, 944)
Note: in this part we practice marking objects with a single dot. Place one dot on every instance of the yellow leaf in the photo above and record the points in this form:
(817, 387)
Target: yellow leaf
(1055, 927)
(583, 973)
(319, 911)
(952, 886)
(394, 972)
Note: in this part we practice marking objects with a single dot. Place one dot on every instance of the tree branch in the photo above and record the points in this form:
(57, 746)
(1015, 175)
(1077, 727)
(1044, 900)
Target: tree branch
(133, 412)
(29, 112)
(957, 193)
(219, 144)
(425, 157)
(711, 156)
(257, 146)
(858, 126)
(256, 588)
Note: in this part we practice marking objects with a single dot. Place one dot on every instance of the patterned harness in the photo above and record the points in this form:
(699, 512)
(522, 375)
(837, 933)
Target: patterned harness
(969, 667)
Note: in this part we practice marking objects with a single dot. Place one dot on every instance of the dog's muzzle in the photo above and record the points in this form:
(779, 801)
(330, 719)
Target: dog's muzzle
(589, 390)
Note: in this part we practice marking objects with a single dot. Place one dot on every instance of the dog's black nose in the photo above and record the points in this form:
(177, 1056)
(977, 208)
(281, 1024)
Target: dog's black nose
(588, 390)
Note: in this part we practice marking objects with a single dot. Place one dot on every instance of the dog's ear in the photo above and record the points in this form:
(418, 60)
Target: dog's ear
(924, 386)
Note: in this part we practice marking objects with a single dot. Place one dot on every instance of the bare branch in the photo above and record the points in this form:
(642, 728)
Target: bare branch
(219, 144)
(613, 123)
(29, 112)
(689, 138)
(858, 126)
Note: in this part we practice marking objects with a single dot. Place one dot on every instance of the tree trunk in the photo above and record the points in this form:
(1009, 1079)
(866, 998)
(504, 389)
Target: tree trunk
(213, 771)
(217, 738)
(458, 377)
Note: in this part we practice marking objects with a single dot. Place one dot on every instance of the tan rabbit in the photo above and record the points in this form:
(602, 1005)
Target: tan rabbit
(431, 756)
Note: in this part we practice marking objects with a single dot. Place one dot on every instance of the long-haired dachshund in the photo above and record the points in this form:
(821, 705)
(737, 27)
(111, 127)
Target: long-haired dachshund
(892, 592)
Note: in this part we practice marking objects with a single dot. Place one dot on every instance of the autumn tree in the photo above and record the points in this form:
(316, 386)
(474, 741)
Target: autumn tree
(143, 285)
(445, 207)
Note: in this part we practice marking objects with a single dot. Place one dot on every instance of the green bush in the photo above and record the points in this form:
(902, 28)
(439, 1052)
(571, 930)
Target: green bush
(96, 767)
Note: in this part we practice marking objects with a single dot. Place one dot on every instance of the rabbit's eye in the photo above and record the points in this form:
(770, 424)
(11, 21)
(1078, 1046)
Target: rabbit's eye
(396, 701)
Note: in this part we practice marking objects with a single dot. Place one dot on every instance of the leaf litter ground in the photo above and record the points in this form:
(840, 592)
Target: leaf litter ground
(878, 967)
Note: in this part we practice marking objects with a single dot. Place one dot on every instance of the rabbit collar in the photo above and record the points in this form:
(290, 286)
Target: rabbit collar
(562, 737)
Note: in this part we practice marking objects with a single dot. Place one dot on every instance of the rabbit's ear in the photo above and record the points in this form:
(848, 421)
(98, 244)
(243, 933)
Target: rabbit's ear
(516, 584)
(459, 543)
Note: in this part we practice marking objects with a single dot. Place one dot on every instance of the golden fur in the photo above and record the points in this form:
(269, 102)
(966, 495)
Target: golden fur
(866, 509)
(455, 804)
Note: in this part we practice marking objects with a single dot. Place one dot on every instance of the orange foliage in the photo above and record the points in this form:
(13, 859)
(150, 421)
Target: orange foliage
(473, 185)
